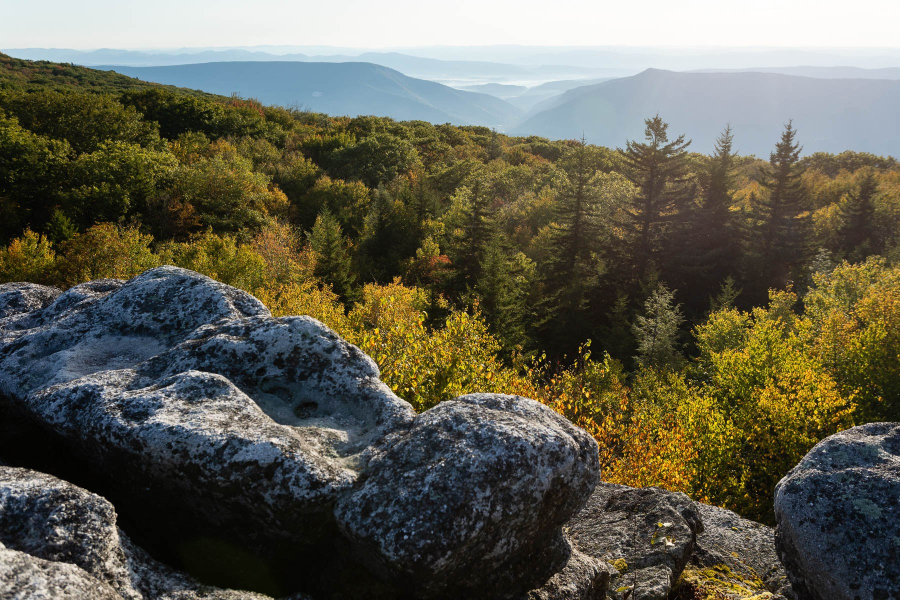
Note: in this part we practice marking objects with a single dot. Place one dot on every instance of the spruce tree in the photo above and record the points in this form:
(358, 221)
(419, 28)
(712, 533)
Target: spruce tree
(333, 261)
(783, 223)
(858, 232)
(656, 331)
(659, 170)
(712, 243)
(571, 274)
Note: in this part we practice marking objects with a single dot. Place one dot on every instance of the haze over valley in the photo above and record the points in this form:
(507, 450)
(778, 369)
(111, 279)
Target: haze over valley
(837, 98)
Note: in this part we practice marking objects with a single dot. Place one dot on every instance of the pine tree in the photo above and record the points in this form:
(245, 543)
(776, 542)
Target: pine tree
(858, 233)
(333, 261)
(713, 242)
(503, 288)
(659, 170)
(571, 274)
(783, 225)
(471, 228)
(656, 331)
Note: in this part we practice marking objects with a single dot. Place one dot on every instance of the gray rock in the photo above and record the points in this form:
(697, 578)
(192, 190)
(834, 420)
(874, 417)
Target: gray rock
(647, 534)
(218, 430)
(583, 578)
(740, 550)
(59, 540)
(24, 577)
(173, 386)
(469, 502)
(838, 515)
(20, 298)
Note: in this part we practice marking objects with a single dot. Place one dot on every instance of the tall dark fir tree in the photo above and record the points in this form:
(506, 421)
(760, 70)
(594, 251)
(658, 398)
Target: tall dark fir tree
(783, 223)
(572, 274)
(655, 216)
(859, 234)
(713, 240)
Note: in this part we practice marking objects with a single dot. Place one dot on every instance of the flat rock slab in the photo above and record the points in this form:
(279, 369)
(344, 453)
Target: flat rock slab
(647, 534)
(838, 515)
(174, 386)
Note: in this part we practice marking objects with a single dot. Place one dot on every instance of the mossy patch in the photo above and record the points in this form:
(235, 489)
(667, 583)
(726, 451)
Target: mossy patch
(718, 583)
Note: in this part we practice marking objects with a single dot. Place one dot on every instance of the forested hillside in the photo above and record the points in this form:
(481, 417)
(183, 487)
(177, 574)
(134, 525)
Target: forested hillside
(345, 88)
(708, 318)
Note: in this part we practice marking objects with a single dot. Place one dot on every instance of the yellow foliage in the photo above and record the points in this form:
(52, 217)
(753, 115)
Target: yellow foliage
(28, 258)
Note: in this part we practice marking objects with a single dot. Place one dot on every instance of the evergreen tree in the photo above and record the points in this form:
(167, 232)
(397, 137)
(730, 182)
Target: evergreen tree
(333, 261)
(659, 170)
(656, 331)
(858, 233)
(712, 248)
(471, 228)
(571, 274)
(503, 289)
(783, 225)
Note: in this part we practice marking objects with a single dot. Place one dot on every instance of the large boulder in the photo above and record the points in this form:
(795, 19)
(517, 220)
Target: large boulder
(172, 387)
(470, 501)
(223, 433)
(838, 515)
(60, 541)
(647, 534)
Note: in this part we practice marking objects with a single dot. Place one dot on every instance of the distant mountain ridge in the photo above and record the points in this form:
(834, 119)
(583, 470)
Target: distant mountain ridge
(831, 115)
(818, 72)
(337, 89)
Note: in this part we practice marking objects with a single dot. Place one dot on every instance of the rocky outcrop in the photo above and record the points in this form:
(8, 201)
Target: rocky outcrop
(647, 535)
(60, 541)
(496, 475)
(20, 298)
(736, 557)
(24, 577)
(583, 578)
(218, 430)
(838, 515)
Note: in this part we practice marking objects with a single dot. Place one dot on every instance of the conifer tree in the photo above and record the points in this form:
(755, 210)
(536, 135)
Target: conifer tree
(858, 231)
(470, 230)
(659, 170)
(712, 243)
(783, 225)
(656, 331)
(333, 260)
(572, 273)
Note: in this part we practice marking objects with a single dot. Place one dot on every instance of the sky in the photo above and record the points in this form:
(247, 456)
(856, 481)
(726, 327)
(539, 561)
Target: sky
(91, 24)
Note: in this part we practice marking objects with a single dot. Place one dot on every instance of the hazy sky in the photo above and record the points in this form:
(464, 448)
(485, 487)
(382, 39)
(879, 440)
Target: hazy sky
(88, 24)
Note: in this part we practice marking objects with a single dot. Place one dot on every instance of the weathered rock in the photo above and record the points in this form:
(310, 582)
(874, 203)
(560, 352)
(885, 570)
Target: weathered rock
(471, 499)
(24, 577)
(583, 578)
(735, 558)
(132, 380)
(20, 298)
(838, 515)
(647, 534)
(64, 540)
(218, 430)
(745, 549)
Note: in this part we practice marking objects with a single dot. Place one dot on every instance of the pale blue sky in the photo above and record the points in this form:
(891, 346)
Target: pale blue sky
(89, 24)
